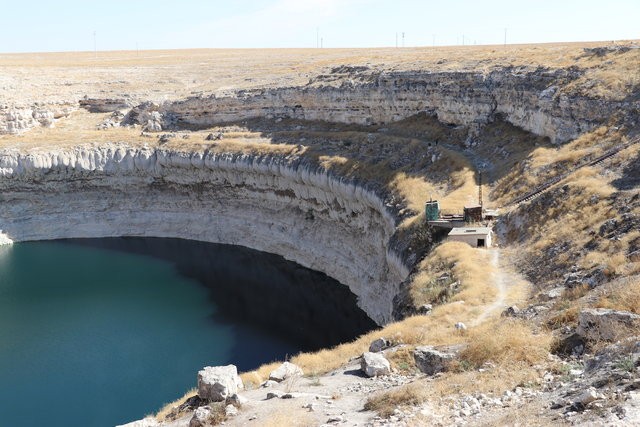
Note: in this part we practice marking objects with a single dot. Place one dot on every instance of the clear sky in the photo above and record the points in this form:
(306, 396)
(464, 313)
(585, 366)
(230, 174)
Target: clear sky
(69, 25)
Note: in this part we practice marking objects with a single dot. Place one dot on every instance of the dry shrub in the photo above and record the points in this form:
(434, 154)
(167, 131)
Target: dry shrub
(385, 402)
(567, 316)
(461, 262)
(253, 379)
(496, 380)
(574, 293)
(402, 359)
(505, 342)
(626, 298)
(162, 414)
(415, 190)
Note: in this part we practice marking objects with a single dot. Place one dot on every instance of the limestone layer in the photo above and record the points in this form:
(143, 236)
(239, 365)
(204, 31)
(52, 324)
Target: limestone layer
(282, 205)
(530, 99)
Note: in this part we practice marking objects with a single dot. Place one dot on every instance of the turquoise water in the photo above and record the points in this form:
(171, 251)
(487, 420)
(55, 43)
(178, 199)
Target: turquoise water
(101, 332)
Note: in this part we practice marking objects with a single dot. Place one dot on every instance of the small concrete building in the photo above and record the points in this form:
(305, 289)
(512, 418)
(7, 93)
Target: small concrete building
(478, 237)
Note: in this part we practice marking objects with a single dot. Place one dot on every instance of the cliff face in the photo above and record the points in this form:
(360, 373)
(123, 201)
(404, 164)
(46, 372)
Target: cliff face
(281, 205)
(14, 119)
(529, 99)
(532, 99)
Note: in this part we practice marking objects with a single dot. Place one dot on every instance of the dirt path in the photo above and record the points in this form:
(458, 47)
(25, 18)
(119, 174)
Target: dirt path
(500, 280)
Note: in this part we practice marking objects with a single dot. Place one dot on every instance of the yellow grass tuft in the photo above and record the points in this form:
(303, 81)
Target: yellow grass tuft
(384, 403)
(505, 342)
(625, 298)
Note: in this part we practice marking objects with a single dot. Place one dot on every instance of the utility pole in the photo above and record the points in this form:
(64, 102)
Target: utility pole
(403, 39)
(480, 188)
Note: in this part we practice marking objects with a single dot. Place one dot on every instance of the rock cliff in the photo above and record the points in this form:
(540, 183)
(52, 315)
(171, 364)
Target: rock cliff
(529, 99)
(282, 205)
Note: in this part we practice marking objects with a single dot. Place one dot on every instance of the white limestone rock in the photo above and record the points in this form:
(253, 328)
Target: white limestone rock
(201, 417)
(217, 383)
(4, 239)
(230, 410)
(242, 203)
(374, 364)
(431, 361)
(284, 371)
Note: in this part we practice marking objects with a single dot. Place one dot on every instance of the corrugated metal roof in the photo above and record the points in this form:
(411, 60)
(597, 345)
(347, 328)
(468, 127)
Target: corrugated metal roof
(465, 231)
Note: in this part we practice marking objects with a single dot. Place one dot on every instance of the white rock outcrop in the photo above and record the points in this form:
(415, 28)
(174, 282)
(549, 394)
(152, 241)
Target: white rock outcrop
(4, 239)
(526, 98)
(279, 204)
(217, 383)
(285, 371)
(374, 364)
(431, 361)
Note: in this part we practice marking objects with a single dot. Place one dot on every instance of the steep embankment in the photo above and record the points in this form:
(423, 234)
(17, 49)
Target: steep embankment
(282, 205)
(527, 98)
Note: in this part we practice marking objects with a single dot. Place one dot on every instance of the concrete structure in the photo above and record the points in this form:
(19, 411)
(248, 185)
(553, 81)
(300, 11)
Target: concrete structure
(478, 237)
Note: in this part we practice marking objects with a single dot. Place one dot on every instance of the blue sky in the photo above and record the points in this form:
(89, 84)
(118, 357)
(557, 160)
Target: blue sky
(68, 25)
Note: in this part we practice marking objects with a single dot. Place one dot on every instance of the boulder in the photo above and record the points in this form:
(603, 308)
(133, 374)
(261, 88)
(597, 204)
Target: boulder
(230, 410)
(214, 136)
(201, 417)
(431, 361)
(512, 311)
(217, 383)
(374, 364)
(275, 394)
(284, 371)
(425, 309)
(588, 396)
(237, 400)
(379, 345)
(605, 324)
(460, 326)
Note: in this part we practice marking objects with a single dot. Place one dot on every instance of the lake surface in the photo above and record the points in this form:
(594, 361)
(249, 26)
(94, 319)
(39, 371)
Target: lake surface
(96, 332)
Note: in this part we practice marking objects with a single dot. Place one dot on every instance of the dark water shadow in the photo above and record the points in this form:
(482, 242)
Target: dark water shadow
(258, 292)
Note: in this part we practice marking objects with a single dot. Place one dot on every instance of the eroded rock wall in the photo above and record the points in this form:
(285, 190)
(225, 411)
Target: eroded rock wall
(282, 205)
(531, 100)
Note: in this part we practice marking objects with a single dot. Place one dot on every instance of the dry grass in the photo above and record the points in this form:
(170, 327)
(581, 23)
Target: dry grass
(290, 417)
(546, 162)
(169, 407)
(626, 298)
(170, 73)
(496, 380)
(505, 342)
(384, 403)
(452, 261)
(436, 329)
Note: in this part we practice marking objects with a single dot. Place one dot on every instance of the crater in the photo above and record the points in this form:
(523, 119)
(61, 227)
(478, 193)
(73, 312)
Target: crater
(120, 324)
